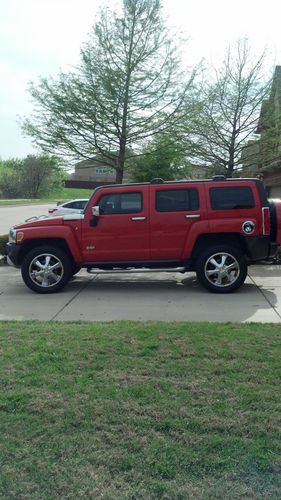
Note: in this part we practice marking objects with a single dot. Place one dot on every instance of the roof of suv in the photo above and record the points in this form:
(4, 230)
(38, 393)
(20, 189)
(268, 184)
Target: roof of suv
(217, 178)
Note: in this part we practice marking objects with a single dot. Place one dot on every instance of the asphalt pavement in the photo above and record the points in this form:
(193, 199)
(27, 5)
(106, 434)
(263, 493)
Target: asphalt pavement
(149, 296)
(12, 215)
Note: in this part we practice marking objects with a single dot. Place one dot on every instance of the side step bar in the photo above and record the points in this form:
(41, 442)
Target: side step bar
(93, 270)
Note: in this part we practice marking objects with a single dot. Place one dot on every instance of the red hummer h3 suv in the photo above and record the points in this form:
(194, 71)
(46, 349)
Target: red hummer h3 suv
(213, 227)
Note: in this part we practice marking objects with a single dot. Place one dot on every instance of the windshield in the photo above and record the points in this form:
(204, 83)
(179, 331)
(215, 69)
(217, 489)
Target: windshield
(85, 208)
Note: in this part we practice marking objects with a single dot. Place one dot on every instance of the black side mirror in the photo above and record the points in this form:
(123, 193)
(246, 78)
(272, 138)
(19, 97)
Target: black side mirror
(94, 221)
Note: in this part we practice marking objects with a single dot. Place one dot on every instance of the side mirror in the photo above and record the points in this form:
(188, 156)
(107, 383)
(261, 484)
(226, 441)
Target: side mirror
(96, 211)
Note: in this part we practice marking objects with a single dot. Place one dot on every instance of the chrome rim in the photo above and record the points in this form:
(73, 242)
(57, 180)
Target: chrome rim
(46, 270)
(222, 269)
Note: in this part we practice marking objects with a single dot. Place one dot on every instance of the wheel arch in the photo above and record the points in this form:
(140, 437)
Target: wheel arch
(235, 240)
(38, 242)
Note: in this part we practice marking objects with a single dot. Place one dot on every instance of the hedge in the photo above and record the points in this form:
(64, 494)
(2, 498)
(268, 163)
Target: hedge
(3, 241)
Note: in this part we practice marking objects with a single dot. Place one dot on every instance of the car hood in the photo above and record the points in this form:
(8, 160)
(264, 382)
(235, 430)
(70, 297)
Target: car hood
(49, 221)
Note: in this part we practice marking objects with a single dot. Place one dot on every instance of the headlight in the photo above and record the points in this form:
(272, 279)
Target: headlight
(12, 235)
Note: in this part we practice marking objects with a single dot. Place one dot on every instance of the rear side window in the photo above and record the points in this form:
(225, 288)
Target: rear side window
(76, 204)
(121, 203)
(177, 200)
(69, 205)
(231, 198)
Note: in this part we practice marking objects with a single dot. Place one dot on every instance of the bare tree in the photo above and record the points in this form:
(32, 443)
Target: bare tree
(228, 108)
(128, 87)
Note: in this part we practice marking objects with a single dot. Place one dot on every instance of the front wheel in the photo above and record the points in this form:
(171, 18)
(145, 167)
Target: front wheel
(221, 269)
(46, 269)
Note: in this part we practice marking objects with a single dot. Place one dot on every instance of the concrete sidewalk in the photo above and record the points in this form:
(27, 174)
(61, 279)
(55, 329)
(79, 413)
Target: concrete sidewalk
(151, 296)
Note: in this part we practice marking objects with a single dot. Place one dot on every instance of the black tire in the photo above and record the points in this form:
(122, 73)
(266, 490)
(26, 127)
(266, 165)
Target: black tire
(46, 269)
(221, 269)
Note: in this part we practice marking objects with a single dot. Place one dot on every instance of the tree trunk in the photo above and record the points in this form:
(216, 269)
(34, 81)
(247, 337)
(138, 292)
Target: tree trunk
(230, 168)
(231, 151)
(119, 175)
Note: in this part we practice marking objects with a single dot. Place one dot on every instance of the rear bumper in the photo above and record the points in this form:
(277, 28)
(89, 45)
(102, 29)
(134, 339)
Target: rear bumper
(13, 254)
(260, 248)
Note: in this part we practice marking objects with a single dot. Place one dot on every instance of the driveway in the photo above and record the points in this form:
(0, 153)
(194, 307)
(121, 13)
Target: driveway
(150, 296)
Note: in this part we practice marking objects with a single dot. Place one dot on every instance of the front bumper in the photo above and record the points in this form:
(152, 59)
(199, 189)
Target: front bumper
(13, 254)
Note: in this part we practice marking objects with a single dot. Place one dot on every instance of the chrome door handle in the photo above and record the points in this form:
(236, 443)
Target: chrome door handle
(138, 218)
(194, 216)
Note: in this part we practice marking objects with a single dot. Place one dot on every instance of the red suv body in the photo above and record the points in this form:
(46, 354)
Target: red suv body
(213, 227)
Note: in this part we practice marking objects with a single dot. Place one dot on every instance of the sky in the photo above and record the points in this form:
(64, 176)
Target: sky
(42, 37)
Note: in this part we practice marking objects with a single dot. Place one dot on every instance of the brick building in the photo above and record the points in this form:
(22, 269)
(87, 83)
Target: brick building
(269, 129)
(90, 174)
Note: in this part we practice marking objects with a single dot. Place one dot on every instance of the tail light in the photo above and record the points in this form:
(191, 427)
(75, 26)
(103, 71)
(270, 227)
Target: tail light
(265, 221)
(52, 210)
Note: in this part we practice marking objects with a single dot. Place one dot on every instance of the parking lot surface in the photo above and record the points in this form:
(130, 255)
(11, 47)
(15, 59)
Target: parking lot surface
(10, 216)
(149, 296)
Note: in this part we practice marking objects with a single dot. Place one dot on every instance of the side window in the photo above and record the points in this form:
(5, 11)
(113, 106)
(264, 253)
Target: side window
(231, 198)
(76, 205)
(70, 205)
(177, 200)
(80, 205)
(121, 203)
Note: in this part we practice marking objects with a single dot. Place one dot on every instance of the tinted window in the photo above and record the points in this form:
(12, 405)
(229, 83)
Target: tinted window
(121, 203)
(231, 198)
(70, 205)
(177, 200)
(81, 204)
(75, 205)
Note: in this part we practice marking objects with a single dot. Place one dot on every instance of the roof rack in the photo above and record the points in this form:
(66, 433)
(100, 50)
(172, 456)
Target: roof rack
(157, 180)
(218, 178)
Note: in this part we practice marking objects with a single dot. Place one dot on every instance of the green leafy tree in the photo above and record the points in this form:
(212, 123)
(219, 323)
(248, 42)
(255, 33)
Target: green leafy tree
(269, 144)
(10, 186)
(10, 164)
(31, 177)
(40, 175)
(127, 88)
(227, 110)
(10, 174)
(162, 157)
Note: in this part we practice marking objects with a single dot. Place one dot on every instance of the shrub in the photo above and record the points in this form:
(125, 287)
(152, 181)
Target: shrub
(3, 240)
(32, 177)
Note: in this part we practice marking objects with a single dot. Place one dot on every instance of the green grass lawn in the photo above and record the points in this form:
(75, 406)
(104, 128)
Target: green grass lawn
(22, 201)
(129, 410)
(62, 194)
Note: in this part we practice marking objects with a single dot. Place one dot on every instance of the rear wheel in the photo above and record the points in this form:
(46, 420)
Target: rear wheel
(46, 269)
(221, 269)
